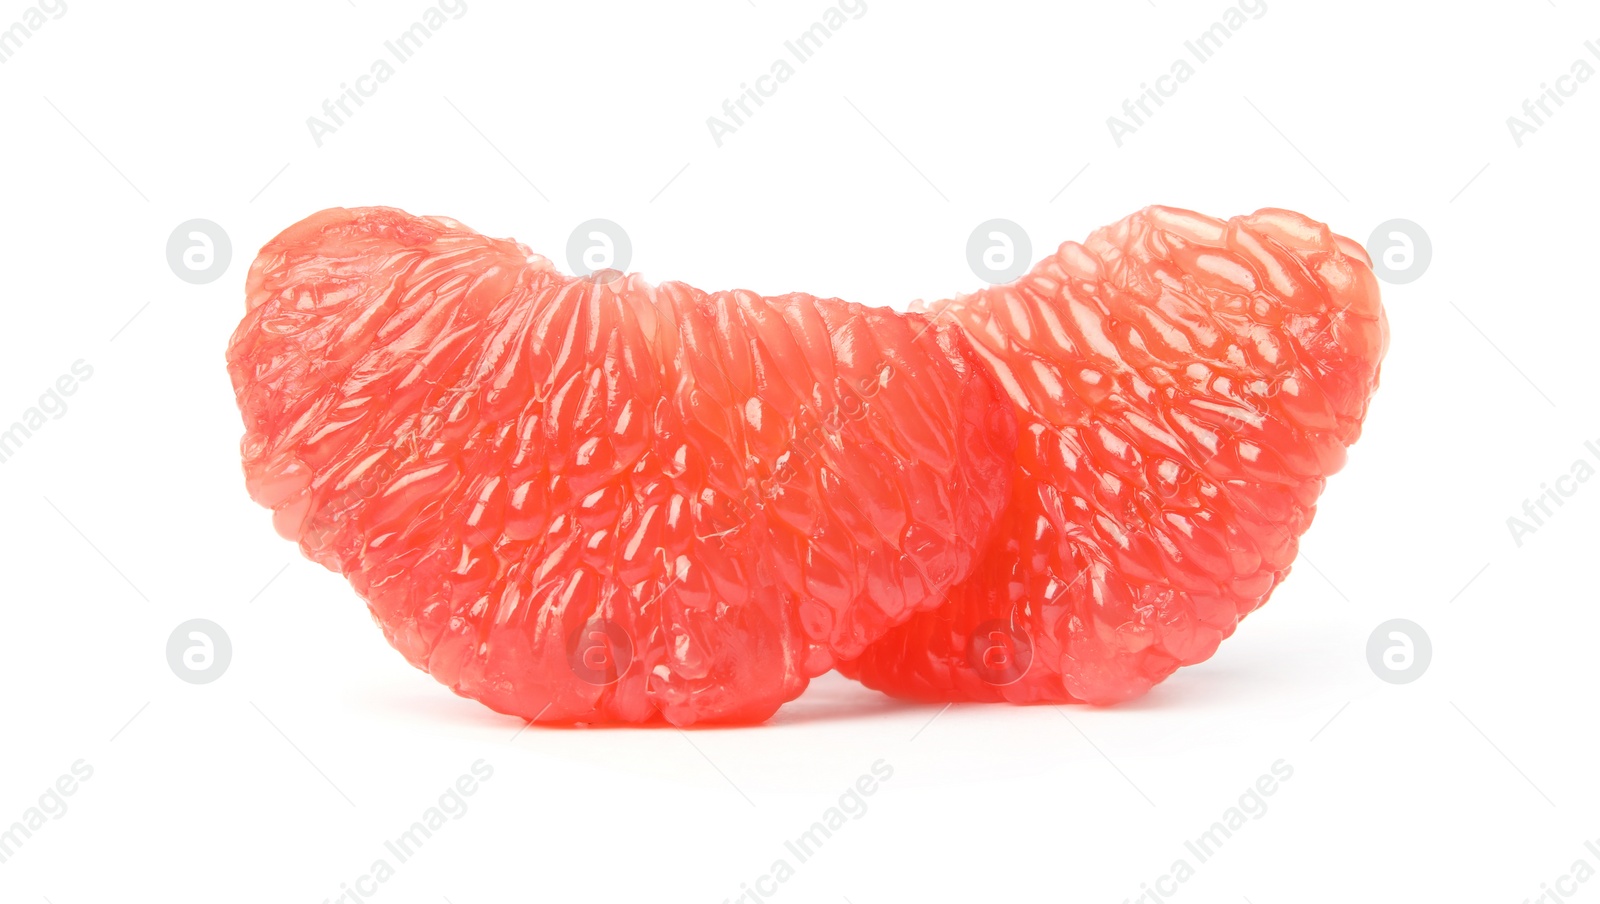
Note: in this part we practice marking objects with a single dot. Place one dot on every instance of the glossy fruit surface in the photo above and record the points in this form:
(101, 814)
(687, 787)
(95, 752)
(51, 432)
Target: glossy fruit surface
(594, 499)
(1183, 387)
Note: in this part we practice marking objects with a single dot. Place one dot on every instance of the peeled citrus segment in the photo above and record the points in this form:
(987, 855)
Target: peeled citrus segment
(1183, 386)
(594, 499)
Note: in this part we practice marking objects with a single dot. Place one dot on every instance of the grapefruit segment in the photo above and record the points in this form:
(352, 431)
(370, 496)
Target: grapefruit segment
(1183, 387)
(599, 500)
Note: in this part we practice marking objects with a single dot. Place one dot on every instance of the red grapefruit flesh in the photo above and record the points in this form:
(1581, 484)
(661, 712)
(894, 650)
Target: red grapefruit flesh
(598, 500)
(1183, 387)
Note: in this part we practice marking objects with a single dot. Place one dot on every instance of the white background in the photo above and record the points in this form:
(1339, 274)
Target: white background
(862, 177)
